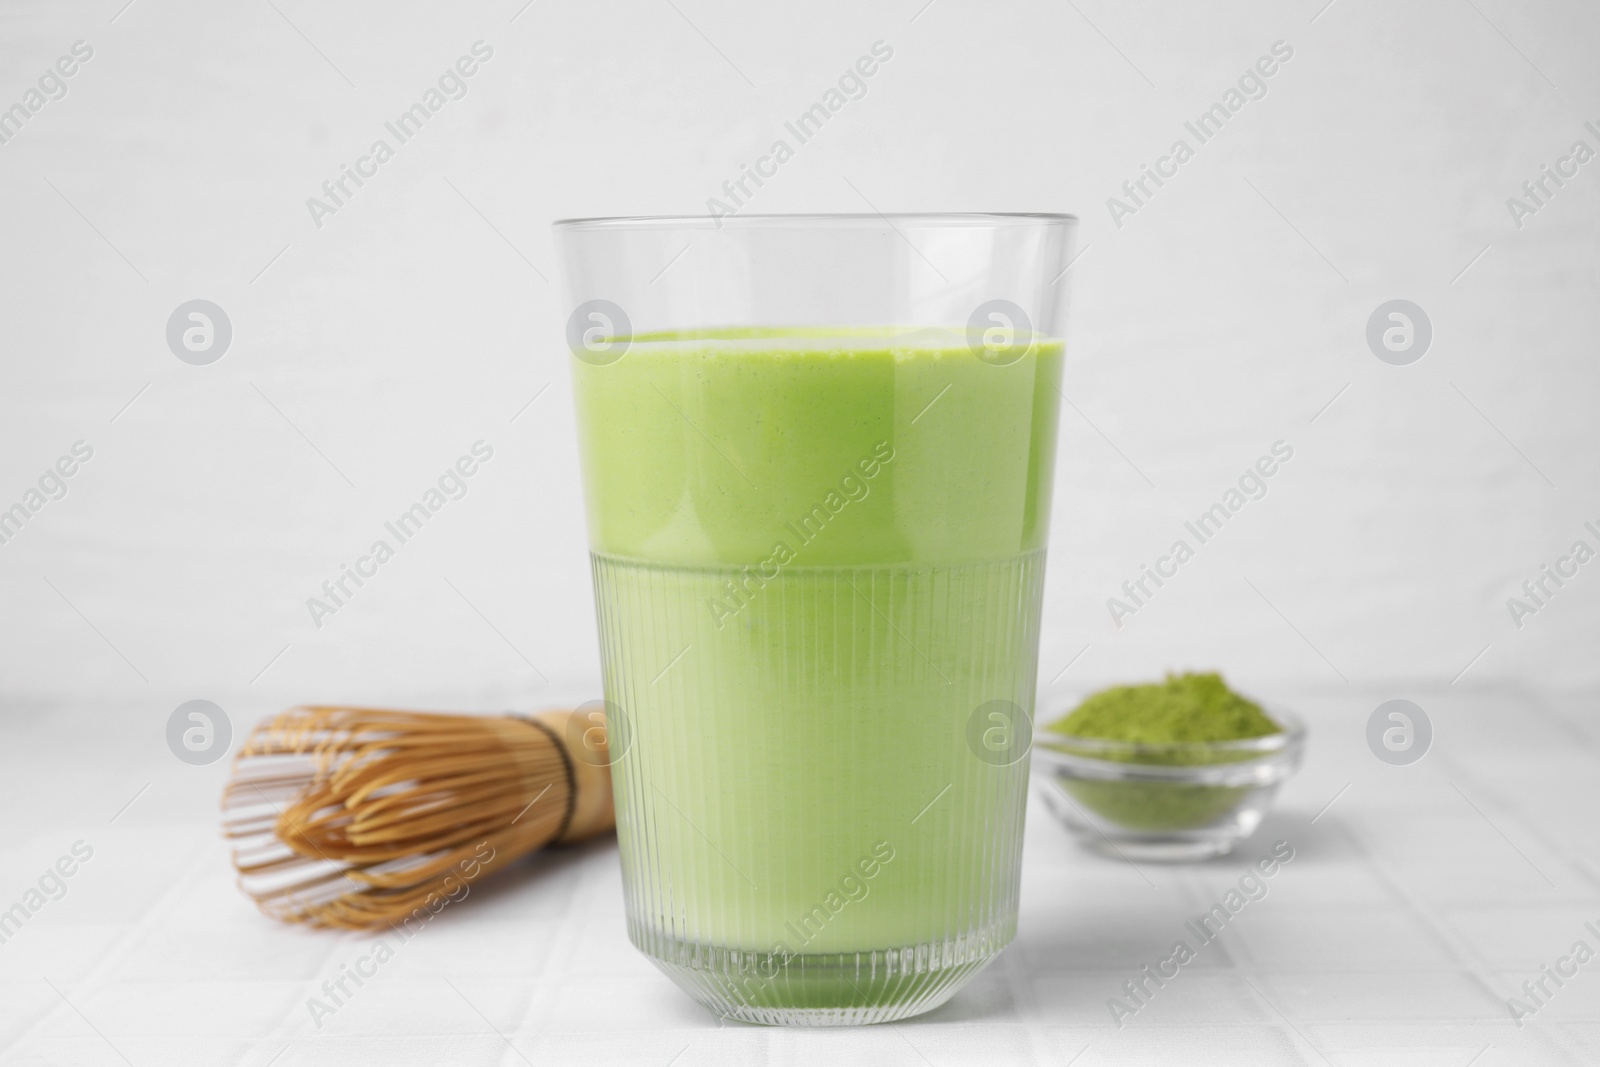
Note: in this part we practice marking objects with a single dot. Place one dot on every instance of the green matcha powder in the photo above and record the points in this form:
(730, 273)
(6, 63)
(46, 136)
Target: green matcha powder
(1186, 709)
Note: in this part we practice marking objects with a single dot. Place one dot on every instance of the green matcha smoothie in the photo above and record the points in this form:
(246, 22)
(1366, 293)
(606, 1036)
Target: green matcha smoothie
(817, 559)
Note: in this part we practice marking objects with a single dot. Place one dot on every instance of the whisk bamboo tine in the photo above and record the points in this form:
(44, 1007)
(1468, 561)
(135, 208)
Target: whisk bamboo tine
(353, 817)
(378, 814)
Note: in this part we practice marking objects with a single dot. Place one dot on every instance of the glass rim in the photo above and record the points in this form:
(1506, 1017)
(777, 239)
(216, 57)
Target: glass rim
(973, 219)
(1293, 734)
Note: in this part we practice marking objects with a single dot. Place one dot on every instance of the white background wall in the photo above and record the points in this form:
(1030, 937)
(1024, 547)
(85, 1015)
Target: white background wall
(370, 352)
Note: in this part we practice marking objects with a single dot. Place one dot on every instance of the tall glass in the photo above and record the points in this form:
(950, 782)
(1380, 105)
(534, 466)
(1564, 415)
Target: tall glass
(817, 455)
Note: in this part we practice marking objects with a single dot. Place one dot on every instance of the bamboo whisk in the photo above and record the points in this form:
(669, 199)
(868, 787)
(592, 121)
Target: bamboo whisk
(359, 817)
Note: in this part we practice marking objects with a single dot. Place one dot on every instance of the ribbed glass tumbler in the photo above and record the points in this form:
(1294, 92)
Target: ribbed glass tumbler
(818, 455)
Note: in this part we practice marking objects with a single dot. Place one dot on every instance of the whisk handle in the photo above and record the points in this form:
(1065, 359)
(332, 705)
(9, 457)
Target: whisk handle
(583, 748)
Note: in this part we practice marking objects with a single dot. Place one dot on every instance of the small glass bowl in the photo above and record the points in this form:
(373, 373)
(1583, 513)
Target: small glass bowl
(1164, 802)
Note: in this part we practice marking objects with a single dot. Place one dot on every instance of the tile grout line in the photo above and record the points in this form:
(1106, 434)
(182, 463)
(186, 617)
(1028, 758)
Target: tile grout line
(1461, 953)
(96, 976)
(1528, 826)
(1022, 996)
(1242, 971)
(539, 1003)
(1471, 962)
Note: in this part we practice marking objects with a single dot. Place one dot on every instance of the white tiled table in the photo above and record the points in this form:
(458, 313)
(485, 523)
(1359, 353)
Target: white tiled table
(1415, 905)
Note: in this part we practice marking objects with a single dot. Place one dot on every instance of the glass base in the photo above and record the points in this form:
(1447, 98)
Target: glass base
(825, 989)
(1156, 822)
(1161, 849)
